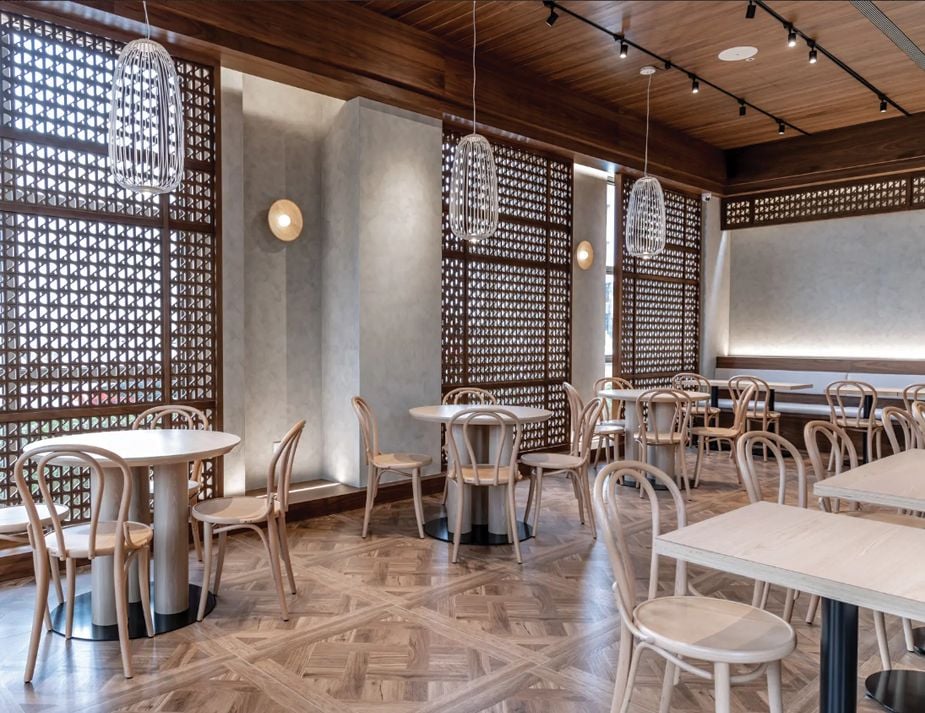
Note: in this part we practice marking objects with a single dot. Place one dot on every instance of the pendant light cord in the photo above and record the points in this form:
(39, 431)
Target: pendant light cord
(147, 21)
(645, 170)
(473, 65)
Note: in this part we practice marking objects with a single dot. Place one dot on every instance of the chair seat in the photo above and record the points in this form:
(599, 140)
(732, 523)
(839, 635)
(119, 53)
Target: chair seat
(662, 439)
(77, 538)
(701, 410)
(229, 511)
(401, 460)
(713, 431)
(759, 414)
(15, 519)
(854, 423)
(486, 473)
(551, 461)
(715, 630)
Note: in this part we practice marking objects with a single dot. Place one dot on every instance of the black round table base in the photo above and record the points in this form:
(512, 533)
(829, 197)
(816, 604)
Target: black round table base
(478, 535)
(630, 482)
(86, 630)
(898, 691)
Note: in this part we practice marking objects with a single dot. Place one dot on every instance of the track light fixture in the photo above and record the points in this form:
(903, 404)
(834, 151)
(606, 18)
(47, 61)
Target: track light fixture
(781, 128)
(882, 105)
(695, 85)
(624, 49)
(750, 10)
(553, 16)
(741, 108)
(791, 36)
(813, 55)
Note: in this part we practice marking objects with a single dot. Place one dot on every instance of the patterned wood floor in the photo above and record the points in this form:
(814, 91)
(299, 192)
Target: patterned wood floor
(390, 625)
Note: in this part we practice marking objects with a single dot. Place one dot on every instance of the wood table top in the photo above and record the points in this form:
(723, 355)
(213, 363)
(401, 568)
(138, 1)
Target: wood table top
(152, 446)
(895, 481)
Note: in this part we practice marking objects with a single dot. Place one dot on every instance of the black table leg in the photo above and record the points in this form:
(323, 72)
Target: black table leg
(714, 402)
(770, 399)
(866, 408)
(838, 665)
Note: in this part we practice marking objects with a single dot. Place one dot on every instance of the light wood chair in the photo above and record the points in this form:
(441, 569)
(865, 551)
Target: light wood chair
(691, 381)
(759, 407)
(180, 416)
(846, 400)
(671, 433)
(902, 432)
(468, 470)
(469, 396)
(121, 539)
(790, 471)
(912, 394)
(918, 415)
(573, 465)
(242, 512)
(681, 628)
(840, 445)
(612, 427)
(731, 434)
(407, 465)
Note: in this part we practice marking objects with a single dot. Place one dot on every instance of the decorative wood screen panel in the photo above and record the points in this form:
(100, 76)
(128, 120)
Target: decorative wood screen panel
(507, 301)
(834, 200)
(109, 298)
(658, 334)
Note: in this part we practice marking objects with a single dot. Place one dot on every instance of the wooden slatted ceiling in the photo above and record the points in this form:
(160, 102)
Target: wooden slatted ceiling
(814, 97)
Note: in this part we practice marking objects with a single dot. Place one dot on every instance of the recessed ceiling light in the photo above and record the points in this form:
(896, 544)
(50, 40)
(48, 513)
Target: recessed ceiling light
(737, 54)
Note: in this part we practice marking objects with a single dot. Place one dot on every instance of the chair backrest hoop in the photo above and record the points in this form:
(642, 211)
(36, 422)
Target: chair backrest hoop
(779, 448)
(469, 395)
(46, 457)
(368, 426)
(842, 397)
(279, 474)
(743, 390)
(918, 415)
(758, 404)
(605, 500)
(912, 394)
(690, 381)
(839, 443)
(613, 408)
(584, 433)
(466, 427)
(154, 417)
(902, 431)
(649, 427)
(575, 407)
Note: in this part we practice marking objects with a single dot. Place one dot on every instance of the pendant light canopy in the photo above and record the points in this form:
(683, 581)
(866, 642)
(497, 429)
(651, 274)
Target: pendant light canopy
(146, 119)
(473, 180)
(645, 215)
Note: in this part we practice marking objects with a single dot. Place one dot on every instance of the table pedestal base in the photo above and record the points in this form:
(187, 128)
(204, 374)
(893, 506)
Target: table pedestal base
(478, 535)
(86, 630)
(898, 691)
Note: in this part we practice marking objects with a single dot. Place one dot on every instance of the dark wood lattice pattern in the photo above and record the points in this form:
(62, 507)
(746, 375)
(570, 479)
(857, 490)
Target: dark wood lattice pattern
(835, 200)
(659, 331)
(507, 300)
(109, 298)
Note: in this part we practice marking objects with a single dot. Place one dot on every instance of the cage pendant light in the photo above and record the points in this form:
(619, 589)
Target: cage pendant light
(146, 118)
(645, 215)
(473, 179)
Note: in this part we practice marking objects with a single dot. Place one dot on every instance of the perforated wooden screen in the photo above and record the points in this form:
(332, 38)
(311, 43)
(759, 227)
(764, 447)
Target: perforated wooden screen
(109, 298)
(507, 301)
(658, 334)
(884, 194)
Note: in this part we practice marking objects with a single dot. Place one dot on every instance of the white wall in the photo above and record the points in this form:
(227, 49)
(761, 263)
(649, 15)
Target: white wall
(849, 287)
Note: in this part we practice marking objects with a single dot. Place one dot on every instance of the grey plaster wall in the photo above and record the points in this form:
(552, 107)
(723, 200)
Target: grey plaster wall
(714, 334)
(846, 287)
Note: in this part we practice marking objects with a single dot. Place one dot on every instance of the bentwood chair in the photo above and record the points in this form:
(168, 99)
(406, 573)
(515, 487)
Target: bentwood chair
(732, 434)
(790, 471)
(471, 467)
(682, 628)
(846, 401)
(573, 465)
(408, 465)
(759, 406)
(469, 396)
(121, 539)
(662, 415)
(689, 381)
(913, 393)
(902, 432)
(180, 416)
(840, 445)
(242, 512)
(612, 426)
(918, 415)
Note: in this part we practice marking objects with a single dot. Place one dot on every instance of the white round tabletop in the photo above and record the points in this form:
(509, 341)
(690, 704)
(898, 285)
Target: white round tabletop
(444, 412)
(152, 446)
(634, 394)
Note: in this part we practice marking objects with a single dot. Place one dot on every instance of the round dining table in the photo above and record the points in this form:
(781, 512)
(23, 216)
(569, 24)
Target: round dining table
(167, 453)
(484, 520)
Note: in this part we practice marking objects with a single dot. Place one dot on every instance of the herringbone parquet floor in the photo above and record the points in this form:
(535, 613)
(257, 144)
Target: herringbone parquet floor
(390, 625)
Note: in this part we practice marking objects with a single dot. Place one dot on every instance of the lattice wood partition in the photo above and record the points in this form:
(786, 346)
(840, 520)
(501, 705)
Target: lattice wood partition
(507, 301)
(109, 299)
(885, 194)
(658, 300)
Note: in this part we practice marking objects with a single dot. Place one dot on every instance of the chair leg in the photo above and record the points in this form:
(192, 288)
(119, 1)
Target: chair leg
(882, 644)
(788, 605)
(682, 457)
(623, 664)
(144, 578)
(41, 606)
(197, 543)
(586, 491)
(53, 565)
(631, 679)
(775, 698)
(457, 528)
(273, 547)
(512, 517)
(531, 493)
(664, 702)
(70, 565)
(119, 576)
(573, 477)
(370, 497)
(284, 550)
(907, 635)
(811, 612)
(538, 475)
(418, 502)
(699, 463)
(722, 687)
(219, 561)
(206, 569)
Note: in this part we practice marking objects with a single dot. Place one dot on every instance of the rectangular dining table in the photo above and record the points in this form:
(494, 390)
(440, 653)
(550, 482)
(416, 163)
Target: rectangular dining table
(850, 562)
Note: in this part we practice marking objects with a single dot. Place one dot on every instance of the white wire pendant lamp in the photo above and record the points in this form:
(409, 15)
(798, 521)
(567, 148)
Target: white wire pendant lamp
(645, 216)
(146, 143)
(473, 180)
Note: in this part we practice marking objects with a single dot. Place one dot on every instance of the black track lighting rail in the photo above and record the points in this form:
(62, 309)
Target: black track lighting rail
(553, 5)
(814, 45)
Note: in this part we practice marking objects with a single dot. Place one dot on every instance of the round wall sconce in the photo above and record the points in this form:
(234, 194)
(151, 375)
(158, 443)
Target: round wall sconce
(584, 255)
(285, 220)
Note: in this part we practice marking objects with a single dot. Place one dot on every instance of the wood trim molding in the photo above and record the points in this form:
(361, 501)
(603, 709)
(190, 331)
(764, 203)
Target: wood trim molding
(846, 365)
